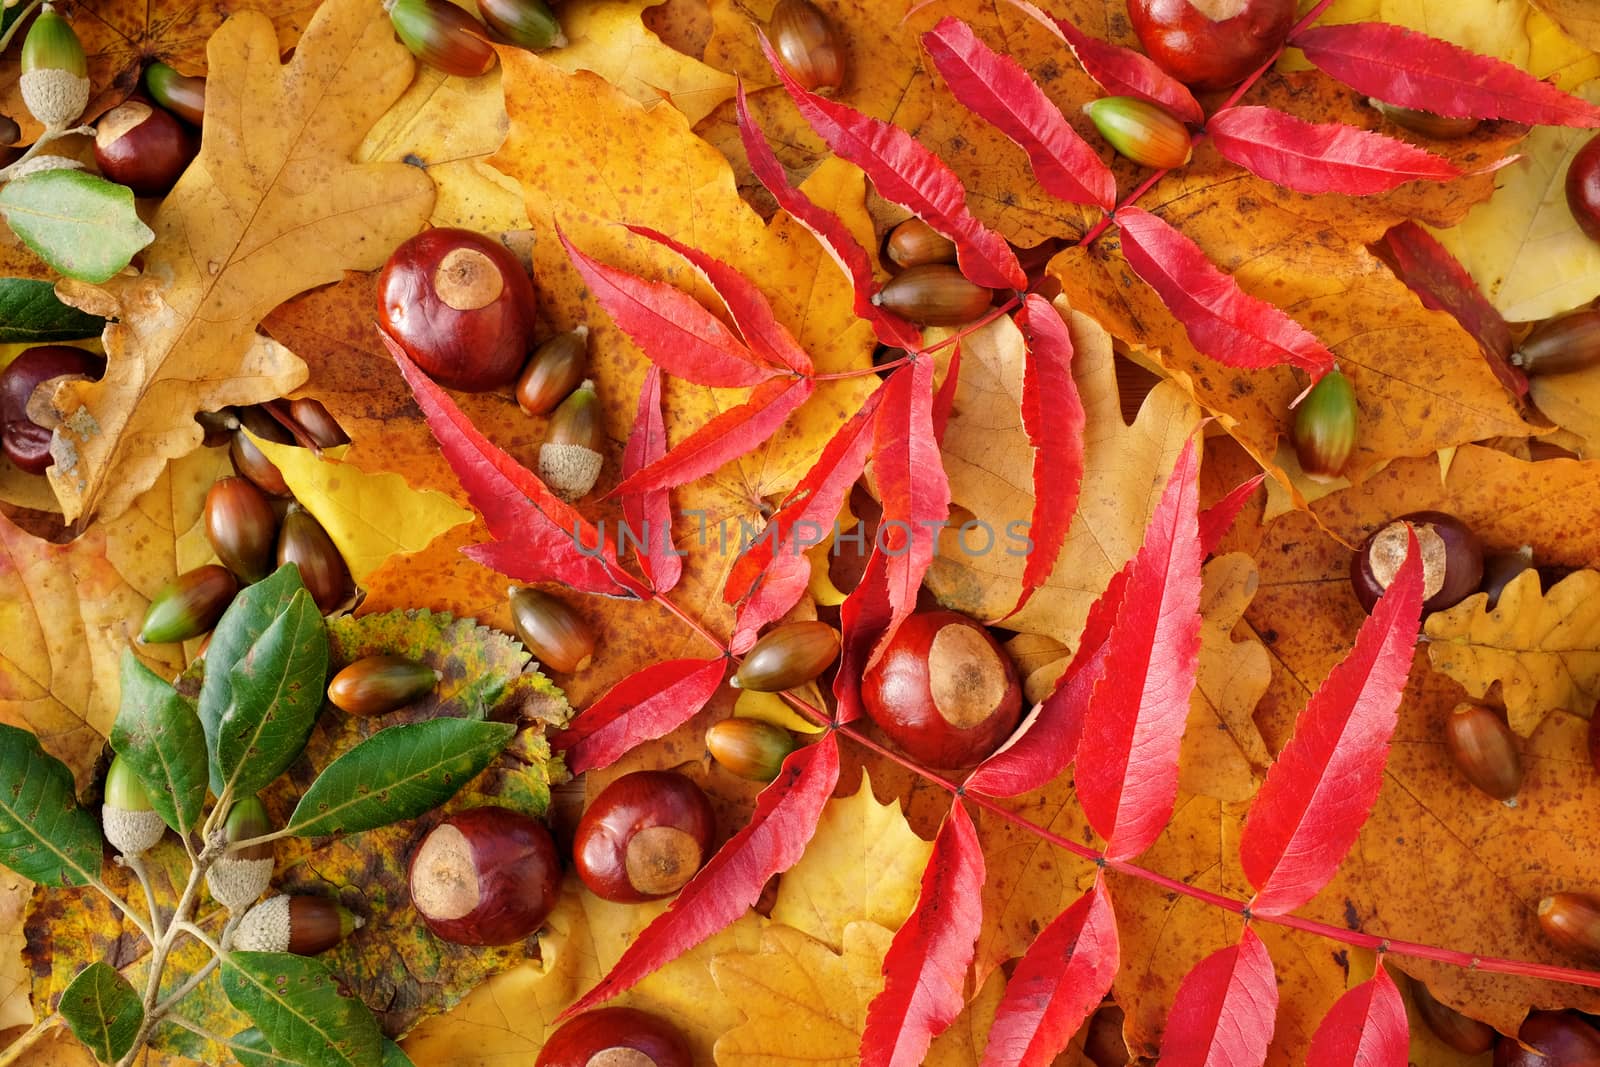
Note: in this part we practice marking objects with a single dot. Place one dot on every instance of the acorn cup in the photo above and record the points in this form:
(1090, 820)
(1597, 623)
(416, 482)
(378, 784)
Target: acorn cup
(443, 36)
(242, 528)
(790, 655)
(525, 23)
(573, 451)
(808, 45)
(557, 368)
(1572, 922)
(240, 875)
(1144, 132)
(1483, 747)
(1565, 343)
(55, 73)
(376, 685)
(303, 542)
(180, 94)
(914, 243)
(557, 636)
(304, 925)
(129, 823)
(1325, 427)
(934, 294)
(189, 605)
(750, 748)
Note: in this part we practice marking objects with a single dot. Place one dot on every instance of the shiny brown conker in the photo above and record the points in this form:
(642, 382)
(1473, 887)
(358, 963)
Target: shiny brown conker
(25, 440)
(143, 147)
(1211, 44)
(485, 876)
(645, 835)
(1452, 560)
(623, 1037)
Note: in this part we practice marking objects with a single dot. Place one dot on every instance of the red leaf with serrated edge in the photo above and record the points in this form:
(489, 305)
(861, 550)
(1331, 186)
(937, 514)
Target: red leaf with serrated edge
(1401, 66)
(1321, 157)
(648, 704)
(911, 482)
(1120, 71)
(926, 965)
(1322, 786)
(829, 231)
(999, 91)
(908, 174)
(944, 401)
(1128, 771)
(774, 571)
(1060, 979)
(1216, 520)
(1052, 415)
(1225, 1010)
(864, 617)
(538, 534)
(729, 435)
(746, 304)
(649, 514)
(1366, 1028)
(679, 336)
(771, 842)
(1443, 284)
(1226, 323)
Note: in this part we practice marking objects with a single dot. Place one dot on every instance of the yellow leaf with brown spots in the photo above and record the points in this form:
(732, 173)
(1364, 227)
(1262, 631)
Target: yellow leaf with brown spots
(611, 39)
(1572, 401)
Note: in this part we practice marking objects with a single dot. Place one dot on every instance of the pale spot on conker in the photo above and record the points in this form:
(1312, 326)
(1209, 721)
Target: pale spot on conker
(619, 1056)
(1219, 10)
(660, 859)
(444, 881)
(965, 676)
(466, 279)
(1389, 552)
(119, 120)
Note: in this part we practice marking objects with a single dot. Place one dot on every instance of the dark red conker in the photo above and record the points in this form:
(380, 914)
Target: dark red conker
(616, 1037)
(485, 876)
(1452, 560)
(1583, 187)
(1211, 44)
(645, 835)
(26, 442)
(143, 147)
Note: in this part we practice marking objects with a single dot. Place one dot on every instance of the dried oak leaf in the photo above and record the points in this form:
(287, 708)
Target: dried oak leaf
(272, 206)
(611, 39)
(1543, 649)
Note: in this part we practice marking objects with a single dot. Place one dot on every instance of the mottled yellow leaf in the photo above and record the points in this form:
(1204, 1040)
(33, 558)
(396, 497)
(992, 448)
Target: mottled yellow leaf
(1223, 752)
(1572, 401)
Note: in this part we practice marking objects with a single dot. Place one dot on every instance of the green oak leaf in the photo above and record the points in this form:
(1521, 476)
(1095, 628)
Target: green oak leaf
(296, 1004)
(82, 225)
(103, 1010)
(44, 834)
(158, 732)
(30, 314)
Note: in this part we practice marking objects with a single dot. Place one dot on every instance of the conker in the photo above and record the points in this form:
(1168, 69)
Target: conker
(485, 876)
(943, 690)
(616, 1037)
(1460, 1032)
(462, 307)
(1452, 560)
(26, 441)
(143, 147)
(1550, 1039)
(1211, 44)
(645, 835)
(1583, 188)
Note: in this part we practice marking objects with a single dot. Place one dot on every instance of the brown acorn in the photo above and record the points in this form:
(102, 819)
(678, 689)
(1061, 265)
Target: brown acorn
(557, 368)
(443, 36)
(1460, 1032)
(1483, 747)
(808, 45)
(180, 94)
(304, 925)
(242, 528)
(217, 426)
(375, 685)
(934, 294)
(253, 464)
(914, 242)
(303, 542)
(323, 429)
(557, 636)
(574, 445)
(790, 655)
(1565, 343)
(1572, 922)
(189, 605)
(1438, 127)
(750, 748)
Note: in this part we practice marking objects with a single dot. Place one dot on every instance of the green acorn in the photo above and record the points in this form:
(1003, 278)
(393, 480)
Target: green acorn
(443, 36)
(375, 685)
(130, 824)
(240, 875)
(1144, 132)
(180, 94)
(189, 605)
(55, 74)
(1325, 427)
(525, 23)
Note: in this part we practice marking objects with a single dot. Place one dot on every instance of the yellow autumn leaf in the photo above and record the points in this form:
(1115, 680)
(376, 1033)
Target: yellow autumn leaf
(1543, 649)
(611, 39)
(771, 707)
(1572, 401)
(369, 516)
(1224, 754)
(272, 206)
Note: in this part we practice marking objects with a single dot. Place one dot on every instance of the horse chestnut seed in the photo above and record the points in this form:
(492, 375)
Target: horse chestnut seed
(485, 876)
(24, 437)
(143, 147)
(1550, 1039)
(461, 306)
(645, 835)
(1452, 560)
(1583, 187)
(943, 690)
(616, 1037)
(1211, 44)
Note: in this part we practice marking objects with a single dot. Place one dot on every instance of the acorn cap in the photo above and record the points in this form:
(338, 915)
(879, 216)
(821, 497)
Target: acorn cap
(126, 818)
(238, 883)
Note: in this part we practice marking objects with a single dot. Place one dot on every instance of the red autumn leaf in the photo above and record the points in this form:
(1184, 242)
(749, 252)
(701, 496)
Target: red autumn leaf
(911, 482)
(1443, 284)
(905, 172)
(1127, 771)
(648, 704)
(1322, 786)
(996, 89)
(1226, 323)
(773, 573)
(1121, 71)
(1225, 1009)
(649, 514)
(1365, 1028)
(944, 401)
(864, 617)
(829, 231)
(1411, 69)
(729, 435)
(678, 335)
(1216, 520)
(1060, 979)
(536, 531)
(771, 842)
(926, 966)
(1052, 415)
(1321, 157)
(747, 305)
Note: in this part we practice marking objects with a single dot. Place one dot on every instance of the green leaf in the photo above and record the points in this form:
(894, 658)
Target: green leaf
(394, 1055)
(250, 1048)
(295, 1002)
(44, 835)
(277, 690)
(82, 225)
(247, 618)
(103, 1011)
(30, 314)
(158, 733)
(396, 774)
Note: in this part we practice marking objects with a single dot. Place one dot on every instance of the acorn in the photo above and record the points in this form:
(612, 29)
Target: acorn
(303, 542)
(1583, 187)
(1143, 132)
(525, 23)
(789, 655)
(1550, 1039)
(485, 876)
(1452, 560)
(1572, 922)
(1438, 127)
(556, 635)
(10, 132)
(130, 824)
(644, 837)
(55, 74)
(181, 94)
(808, 45)
(304, 925)
(574, 445)
(25, 430)
(1325, 427)
(138, 145)
(260, 421)
(557, 368)
(443, 36)
(242, 527)
(934, 294)
(1565, 343)
(252, 463)
(376, 685)
(914, 242)
(189, 605)
(1483, 747)
(240, 875)
(1499, 570)
(624, 1037)
(1460, 1032)
(750, 748)
(312, 417)
(217, 427)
